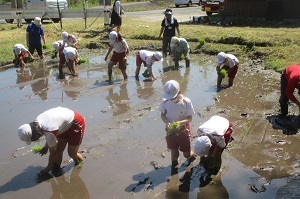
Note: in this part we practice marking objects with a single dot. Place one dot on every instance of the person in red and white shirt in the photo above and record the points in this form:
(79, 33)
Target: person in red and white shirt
(231, 64)
(20, 51)
(147, 58)
(175, 107)
(60, 126)
(214, 136)
(121, 50)
(71, 57)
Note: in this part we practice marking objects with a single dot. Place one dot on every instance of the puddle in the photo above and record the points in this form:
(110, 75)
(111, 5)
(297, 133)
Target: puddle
(124, 133)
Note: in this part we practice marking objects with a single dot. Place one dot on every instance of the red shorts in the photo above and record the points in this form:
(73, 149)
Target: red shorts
(138, 60)
(22, 55)
(227, 137)
(181, 141)
(75, 133)
(119, 58)
(233, 73)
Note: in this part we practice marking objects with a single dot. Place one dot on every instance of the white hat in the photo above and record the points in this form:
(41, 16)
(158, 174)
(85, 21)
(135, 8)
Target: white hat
(221, 58)
(174, 41)
(64, 35)
(202, 146)
(168, 11)
(25, 133)
(18, 50)
(37, 21)
(112, 36)
(56, 46)
(158, 56)
(171, 89)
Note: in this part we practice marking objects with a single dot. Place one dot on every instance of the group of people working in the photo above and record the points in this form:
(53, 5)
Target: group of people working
(62, 126)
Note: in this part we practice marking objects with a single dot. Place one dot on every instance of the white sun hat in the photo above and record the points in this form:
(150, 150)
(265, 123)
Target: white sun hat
(202, 146)
(25, 133)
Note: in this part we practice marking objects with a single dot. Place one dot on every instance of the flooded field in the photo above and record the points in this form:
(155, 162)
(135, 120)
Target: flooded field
(124, 147)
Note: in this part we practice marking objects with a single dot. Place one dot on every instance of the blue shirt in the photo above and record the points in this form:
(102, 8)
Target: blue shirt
(35, 33)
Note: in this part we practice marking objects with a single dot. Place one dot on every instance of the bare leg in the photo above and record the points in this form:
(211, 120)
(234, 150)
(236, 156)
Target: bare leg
(61, 145)
(137, 72)
(230, 82)
(73, 153)
(174, 155)
(124, 74)
(219, 81)
(109, 71)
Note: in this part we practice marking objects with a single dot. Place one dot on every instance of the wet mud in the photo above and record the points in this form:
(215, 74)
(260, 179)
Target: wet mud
(124, 147)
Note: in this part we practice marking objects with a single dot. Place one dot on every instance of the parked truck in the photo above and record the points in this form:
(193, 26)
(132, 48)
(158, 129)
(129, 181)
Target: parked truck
(212, 6)
(38, 5)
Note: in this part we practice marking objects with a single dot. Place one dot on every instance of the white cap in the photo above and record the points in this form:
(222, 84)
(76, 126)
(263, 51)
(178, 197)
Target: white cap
(158, 56)
(64, 35)
(56, 46)
(221, 58)
(112, 36)
(25, 133)
(174, 41)
(171, 89)
(202, 146)
(37, 21)
(18, 50)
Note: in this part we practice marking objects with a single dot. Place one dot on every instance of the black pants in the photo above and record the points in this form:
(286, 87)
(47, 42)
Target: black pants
(166, 46)
(283, 98)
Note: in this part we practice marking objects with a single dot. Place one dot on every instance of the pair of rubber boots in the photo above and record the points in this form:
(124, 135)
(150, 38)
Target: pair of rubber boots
(187, 64)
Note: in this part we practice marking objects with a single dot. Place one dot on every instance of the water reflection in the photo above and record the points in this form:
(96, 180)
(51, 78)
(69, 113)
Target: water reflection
(71, 87)
(40, 74)
(22, 77)
(145, 91)
(118, 101)
(69, 186)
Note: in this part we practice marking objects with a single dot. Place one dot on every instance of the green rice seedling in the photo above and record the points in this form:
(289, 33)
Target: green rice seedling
(223, 73)
(36, 148)
(82, 60)
(46, 46)
(173, 128)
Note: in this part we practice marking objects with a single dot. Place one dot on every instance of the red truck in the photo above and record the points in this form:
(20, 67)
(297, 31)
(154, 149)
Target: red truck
(212, 6)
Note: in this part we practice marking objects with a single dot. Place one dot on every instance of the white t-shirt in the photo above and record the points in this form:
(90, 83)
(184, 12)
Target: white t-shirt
(70, 53)
(70, 40)
(215, 128)
(231, 60)
(55, 120)
(18, 48)
(120, 46)
(177, 111)
(146, 56)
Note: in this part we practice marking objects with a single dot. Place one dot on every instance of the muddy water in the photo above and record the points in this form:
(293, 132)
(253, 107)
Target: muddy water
(124, 137)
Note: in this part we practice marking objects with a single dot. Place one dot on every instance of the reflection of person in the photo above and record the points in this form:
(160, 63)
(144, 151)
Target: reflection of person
(231, 64)
(179, 48)
(168, 26)
(146, 91)
(22, 76)
(120, 53)
(69, 40)
(147, 58)
(214, 136)
(177, 108)
(71, 57)
(34, 35)
(20, 53)
(40, 87)
(60, 126)
(116, 15)
(119, 102)
(69, 187)
(290, 80)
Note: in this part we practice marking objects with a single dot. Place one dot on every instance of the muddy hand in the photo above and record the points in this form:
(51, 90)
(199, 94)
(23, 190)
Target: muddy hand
(43, 151)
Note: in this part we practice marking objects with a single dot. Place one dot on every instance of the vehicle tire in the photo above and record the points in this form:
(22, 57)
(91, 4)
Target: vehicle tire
(177, 6)
(9, 20)
(209, 13)
(189, 4)
(28, 20)
(55, 20)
